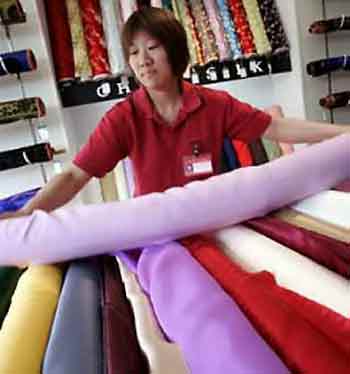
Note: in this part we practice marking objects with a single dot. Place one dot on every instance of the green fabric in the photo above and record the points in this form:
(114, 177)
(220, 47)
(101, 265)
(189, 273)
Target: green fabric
(8, 281)
(11, 111)
(272, 149)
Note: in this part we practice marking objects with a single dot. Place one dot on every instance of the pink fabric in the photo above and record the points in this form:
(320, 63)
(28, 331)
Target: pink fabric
(222, 200)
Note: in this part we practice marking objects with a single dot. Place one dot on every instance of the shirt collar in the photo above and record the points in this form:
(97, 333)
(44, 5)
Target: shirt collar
(191, 100)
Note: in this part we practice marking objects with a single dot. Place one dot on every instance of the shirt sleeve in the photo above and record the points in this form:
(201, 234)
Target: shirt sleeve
(244, 122)
(106, 146)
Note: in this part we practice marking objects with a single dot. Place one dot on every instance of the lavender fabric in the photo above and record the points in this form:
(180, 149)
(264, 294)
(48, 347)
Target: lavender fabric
(157, 218)
(195, 312)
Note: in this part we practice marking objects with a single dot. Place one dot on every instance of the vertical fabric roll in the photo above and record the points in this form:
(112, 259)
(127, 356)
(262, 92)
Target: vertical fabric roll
(94, 36)
(127, 7)
(244, 33)
(205, 34)
(77, 323)
(231, 155)
(183, 11)
(243, 152)
(273, 25)
(18, 157)
(112, 28)
(272, 149)
(218, 29)
(61, 40)
(17, 62)
(11, 12)
(229, 28)
(26, 328)
(81, 58)
(16, 110)
(257, 26)
(258, 152)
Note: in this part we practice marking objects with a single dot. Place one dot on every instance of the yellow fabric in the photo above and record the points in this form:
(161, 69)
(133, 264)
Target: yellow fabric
(109, 188)
(312, 224)
(26, 328)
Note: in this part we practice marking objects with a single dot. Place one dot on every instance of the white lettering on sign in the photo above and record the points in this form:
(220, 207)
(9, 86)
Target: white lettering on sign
(211, 74)
(226, 72)
(103, 90)
(255, 67)
(241, 71)
(123, 88)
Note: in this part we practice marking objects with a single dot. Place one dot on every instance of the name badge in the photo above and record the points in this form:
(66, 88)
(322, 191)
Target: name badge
(197, 165)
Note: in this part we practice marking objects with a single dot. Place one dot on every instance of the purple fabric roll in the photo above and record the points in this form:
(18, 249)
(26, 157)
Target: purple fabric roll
(195, 312)
(222, 200)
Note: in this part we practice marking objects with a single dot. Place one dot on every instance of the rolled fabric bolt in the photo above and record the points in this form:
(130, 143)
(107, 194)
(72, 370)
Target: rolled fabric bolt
(17, 62)
(11, 12)
(336, 100)
(80, 231)
(16, 110)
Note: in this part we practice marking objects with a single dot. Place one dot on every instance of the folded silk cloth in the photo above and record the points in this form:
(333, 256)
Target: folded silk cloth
(26, 328)
(195, 313)
(72, 232)
(255, 252)
(163, 356)
(75, 343)
(306, 347)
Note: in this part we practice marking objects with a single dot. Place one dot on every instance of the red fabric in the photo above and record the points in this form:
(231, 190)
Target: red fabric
(244, 33)
(60, 37)
(309, 338)
(333, 254)
(133, 128)
(243, 153)
(94, 36)
(344, 186)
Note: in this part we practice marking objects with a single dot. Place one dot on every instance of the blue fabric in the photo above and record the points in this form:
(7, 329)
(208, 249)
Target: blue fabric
(231, 155)
(75, 343)
(15, 202)
(320, 67)
(16, 62)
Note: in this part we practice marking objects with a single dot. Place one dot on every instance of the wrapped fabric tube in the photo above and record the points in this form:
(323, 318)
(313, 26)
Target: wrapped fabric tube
(16, 110)
(11, 12)
(17, 62)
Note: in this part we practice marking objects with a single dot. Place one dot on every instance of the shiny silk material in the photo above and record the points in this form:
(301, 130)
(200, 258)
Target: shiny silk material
(17, 62)
(94, 36)
(304, 348)
(333, 254)
(177, 212)
(61, 40)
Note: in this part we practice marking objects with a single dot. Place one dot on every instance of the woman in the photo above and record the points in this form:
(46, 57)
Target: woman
(172, 130)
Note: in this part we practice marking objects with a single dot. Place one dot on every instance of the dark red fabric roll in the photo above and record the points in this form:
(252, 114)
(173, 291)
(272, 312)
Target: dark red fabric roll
(286, 323)
(243, 153)
(61, 41)
(94, 36)
(331, 253)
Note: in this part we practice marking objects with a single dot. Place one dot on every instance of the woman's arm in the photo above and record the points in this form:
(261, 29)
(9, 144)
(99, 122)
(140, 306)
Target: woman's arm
(60, 190)
(290, 130)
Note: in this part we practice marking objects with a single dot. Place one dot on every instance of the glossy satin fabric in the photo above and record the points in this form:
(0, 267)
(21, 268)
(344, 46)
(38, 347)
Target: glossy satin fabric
(17, 62)
(163, 356)
(177, 286)
(333, 254)
(75, 343)
(255, 252)
(177, 212)
(26, 328)
(243, 153)
(305, 348)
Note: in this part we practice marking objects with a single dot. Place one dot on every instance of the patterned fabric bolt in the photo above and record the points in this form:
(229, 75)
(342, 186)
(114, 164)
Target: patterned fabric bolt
(218, 29)
(94, 36)
(229, 28)
(11, 12)
(205, 34)
(273, 25)
(111, 18)
(16, 110)
(81, 58)
(61, 40)
(257, 26)
(244, 33)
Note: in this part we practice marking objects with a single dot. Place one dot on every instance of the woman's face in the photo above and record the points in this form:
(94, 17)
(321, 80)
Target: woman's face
(149, 61)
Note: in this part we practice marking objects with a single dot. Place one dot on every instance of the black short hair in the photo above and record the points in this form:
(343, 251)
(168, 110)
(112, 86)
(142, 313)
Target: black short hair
(162, 25)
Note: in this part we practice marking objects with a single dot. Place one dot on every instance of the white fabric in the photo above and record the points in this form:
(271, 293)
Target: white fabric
(329, 206)
(255, 252)
(163, 357)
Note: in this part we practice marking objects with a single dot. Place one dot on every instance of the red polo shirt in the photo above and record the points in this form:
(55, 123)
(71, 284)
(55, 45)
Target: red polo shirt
(134, 128)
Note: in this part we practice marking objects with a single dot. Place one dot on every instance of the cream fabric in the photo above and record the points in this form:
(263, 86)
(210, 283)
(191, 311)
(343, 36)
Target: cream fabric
(255, 252)
(163, 357)
(26, 328)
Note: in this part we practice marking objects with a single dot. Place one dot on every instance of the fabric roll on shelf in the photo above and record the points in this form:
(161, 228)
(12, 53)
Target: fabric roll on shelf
(258, 152)
(330, 25)
(272, 149)
(11, 12)
(82, 67)
(336, 100)
(230, 154)
(16, 110)
(17, 62)
(95, 38)
(75, 341)
(61, 39)
(243, 152)
(28, 155)
(328, 65)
